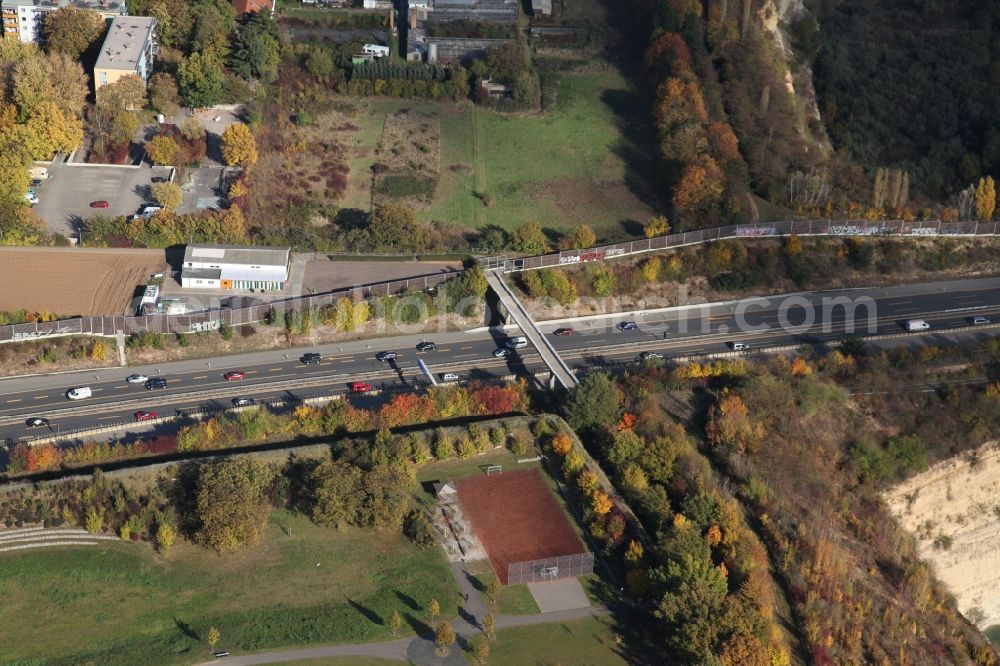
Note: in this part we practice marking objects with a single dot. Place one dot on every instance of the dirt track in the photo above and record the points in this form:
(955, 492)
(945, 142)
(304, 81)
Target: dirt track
(516, 518)
(74, 281)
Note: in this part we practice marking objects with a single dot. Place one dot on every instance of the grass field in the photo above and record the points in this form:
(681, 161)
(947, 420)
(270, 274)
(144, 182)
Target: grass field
(561, 169)
(122, 604)
(579, 642)
(513, 599)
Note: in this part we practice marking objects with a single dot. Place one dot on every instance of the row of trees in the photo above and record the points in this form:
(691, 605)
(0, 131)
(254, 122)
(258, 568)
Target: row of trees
(702, 569)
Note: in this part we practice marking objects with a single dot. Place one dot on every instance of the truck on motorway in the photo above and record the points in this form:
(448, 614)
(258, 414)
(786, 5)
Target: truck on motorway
(917, 325)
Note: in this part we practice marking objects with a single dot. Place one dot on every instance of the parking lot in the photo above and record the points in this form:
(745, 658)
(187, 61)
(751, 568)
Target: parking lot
(64, 198)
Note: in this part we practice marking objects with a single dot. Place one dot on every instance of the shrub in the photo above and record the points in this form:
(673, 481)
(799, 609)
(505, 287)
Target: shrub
(417, 529)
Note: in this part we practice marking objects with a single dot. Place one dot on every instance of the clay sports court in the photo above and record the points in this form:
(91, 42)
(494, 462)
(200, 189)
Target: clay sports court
(517, 518)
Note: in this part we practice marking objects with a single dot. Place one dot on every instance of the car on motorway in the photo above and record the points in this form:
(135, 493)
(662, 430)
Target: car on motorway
(100, 203)
(156, 383)
(563, 331)
(449, 377)
(627, 326)
(979, 321)
(137, 379)
(517, 343)
(649, 356)
(79, 393)
(159, 179)
(360, 387)
(144, 416)
(739, 346)
(917, 325)
(384, 356)
(233, 375)
(426, 346)
(312, 358)
(243, 402)
(36, 422)
(501, 352)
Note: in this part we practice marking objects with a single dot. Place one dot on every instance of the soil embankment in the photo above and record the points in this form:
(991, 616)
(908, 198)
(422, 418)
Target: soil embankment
(953, 509)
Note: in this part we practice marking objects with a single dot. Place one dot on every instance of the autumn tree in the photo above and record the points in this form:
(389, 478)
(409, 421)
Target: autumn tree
(31, 84)
(725, 145)
(657, 226)
(730, 425)
(213, 637)
(55, 131)
(433, 609)
(584, 237)
(163, 93)
(165, 537)
(494, 589)
(386, 496)
(231, 506)
(335, 493)
(238, 145)
(68, 82)
(489, 626)
(481, 650)
(319, 62)
(162, 150)
(701, 185)
(395, 227)
(528, 238)
(444, 637)
(72, 30)
(650, 269)
(394, 622)
(168, 195)
(986, 198)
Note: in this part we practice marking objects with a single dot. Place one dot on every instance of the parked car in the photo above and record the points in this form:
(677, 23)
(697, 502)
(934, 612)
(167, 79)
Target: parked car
(159, 179)
(501, 352)
(979, 321)
(649, 356)
(563, 331)
(145, 416)
(360, 387)
(101, 203)
(449, 377)
(627, 326)
(79, 393)
(35, 182)
(384, 356)
(427, 346)
(156, 383)
(36, 422)
(136, 379)
(243, 402)
(312, 358)
(233, 375)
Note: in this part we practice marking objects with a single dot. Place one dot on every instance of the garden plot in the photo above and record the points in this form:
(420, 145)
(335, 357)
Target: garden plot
(408, 158)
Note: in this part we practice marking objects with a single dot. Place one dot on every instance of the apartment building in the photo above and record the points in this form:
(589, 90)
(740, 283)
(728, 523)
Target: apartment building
(25, 19)
(129, 48)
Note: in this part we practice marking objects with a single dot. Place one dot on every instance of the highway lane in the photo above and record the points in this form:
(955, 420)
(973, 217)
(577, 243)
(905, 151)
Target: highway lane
(595, 343)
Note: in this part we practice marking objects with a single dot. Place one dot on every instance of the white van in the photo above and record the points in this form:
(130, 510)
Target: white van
(78, 393)
(449, 377)
(376, 50)
(517, 343)
(917, 325)
(739, 346)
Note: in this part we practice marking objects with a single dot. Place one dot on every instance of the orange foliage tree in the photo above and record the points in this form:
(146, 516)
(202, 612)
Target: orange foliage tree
(701, 185)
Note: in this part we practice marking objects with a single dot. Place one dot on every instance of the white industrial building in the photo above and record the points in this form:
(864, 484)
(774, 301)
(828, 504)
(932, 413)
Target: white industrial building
(235, 267)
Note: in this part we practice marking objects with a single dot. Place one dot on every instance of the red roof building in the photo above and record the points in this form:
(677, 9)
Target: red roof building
(251, 6)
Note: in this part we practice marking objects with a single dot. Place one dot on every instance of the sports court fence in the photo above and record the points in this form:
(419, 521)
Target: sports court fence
(550, 568)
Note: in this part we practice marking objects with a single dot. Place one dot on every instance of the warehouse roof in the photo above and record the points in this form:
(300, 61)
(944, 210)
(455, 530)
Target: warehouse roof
(243, 255)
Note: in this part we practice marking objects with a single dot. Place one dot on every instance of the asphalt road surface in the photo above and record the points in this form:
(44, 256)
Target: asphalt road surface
(794, 319)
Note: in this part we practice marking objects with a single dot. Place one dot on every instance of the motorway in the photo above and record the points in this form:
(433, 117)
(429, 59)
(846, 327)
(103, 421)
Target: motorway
(781, 320)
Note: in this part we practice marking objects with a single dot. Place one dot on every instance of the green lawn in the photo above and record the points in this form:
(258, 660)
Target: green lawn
(579, 642)
(121, 604)
(561, 169)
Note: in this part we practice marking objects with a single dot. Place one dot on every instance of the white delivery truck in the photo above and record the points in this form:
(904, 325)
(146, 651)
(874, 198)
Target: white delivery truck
(917, 325)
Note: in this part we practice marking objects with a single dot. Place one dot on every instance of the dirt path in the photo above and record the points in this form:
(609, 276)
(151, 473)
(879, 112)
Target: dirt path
(954, 510)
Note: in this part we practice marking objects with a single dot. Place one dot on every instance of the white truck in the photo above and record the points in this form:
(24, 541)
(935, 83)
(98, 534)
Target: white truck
(917, 325)
(376, 50)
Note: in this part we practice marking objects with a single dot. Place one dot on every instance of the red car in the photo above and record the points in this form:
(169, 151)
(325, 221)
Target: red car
(235, 374)
(99, 204)
(145, 416)
(360, 387)
(563, 331)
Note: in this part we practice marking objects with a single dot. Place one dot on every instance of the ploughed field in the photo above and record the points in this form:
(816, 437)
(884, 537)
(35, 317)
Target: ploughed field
(74, 281)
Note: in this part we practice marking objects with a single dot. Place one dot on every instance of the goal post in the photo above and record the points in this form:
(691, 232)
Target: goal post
(492, 470)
